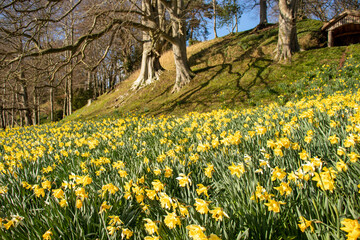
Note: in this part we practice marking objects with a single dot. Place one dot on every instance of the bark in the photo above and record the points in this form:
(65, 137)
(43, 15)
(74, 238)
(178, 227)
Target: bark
(183, 71)
(263, 14)
(2, 112)
(88, 80)
(70, 93)
(287, 39)
(65, 100)
(151, 68)
(2, 118)
(35, 119)
(25, 101)
(38, 108)
(96, 85)
(21, 119)
(13, 109)
(214, 17)
(52, 104)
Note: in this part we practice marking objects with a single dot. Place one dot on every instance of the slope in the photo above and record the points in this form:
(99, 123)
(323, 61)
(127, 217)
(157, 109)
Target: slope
(235, 71)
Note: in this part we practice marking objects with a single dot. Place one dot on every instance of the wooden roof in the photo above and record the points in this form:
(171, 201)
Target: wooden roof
(349, 13)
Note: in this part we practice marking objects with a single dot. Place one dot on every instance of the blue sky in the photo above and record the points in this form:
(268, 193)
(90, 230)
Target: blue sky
(248, 21)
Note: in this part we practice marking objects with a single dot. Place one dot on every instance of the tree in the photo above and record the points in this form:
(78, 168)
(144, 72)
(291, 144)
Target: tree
(325, 10)
(214, 4)
(39, 27)
(177, 11)
(287, 37)
(153, 17)
(263, 14)
(230, 13)
(197, 26)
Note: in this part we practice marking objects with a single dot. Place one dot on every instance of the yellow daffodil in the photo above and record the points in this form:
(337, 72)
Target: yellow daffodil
(284, 188)
(150, 226)
(104, 207)
(184, 180)
(171, 220)
(218, 213)
(274, 205)
(304, 224)
(202, 189)
(47, 235)
(237, 170)
(201, 205)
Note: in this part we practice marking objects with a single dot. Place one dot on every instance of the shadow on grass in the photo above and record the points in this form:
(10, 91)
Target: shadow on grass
(244, 86)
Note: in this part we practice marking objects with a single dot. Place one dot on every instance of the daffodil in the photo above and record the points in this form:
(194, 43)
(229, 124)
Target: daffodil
(218, 213)
(158, 186)
(274, 205)
(171, 220)
(304, 224)
(201, 205)
(47, 235)
(237, 170)
(104, 207)
(284, 188)
(150, 226)
(202, 190)
(352, 227)
(184, 180)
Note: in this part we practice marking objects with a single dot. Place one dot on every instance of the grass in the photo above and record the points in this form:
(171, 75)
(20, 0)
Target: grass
(287, 170)
(236, 71)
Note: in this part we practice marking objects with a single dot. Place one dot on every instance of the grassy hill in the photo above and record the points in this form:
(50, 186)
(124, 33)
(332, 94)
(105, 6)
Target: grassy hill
(236, 71)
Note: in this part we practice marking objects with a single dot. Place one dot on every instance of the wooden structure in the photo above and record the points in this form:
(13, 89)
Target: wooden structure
(344, 29)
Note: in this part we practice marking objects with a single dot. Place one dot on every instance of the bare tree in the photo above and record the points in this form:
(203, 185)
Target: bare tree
(32, 30)
(263, 13)
(214, 4)
(287, 37)
(153, 17)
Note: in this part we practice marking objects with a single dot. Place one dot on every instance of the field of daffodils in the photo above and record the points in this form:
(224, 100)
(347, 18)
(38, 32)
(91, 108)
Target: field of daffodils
(288, 170)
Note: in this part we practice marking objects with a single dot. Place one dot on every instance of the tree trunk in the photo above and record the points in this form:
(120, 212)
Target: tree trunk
(263, 14)
(151, 68)
(191, 34)
(2, 120)
(35, 120)
(70, 93)
(38, 108)
(214, 17)
(13, 109)
(52, 104)
(25, 100)
(287, 39)
(183, 71)
(88, 81)
(2, 106)
(21, 119)
(236, 22)
(96, 85)
(65, 99)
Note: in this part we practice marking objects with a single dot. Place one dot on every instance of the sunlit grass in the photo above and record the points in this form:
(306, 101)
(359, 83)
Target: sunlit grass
(287, 170)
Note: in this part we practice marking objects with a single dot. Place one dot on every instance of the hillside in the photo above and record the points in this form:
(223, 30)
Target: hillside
(235, 71)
